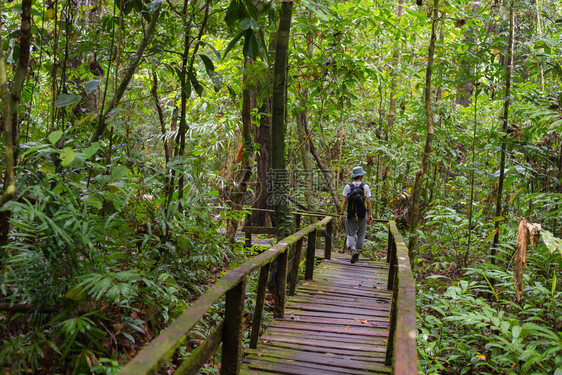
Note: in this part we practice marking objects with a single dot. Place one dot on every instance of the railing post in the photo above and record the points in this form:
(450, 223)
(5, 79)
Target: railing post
(389, 244)
(328, 241)
(310, 253)
(297, 222)
(393, 266)
(281, 283)
(248, 234)
(295, 270)
(233, 329)
(258, 309)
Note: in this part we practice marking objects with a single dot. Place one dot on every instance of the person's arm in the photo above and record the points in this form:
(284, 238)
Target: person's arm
(370, 208)
(342, 211)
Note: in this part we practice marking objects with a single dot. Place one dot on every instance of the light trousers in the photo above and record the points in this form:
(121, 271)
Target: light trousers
(355, 231)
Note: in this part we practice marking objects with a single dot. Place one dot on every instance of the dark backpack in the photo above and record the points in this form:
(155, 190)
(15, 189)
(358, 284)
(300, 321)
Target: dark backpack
(356, 202)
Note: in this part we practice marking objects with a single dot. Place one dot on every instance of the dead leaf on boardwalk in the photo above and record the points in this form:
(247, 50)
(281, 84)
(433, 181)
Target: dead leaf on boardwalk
(265, 341)
(305, 284)
(321, 292)
(385, 341)
(365, 321)
(259, 354)
(346, 328)
(388, 319)
(357, 300)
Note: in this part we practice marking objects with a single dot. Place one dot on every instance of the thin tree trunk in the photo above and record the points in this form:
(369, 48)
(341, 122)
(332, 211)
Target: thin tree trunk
(325, 172)
(471, 201)
(248, 104)
(504, 129)
(415, 210)
(55, 66)
(396, 60)
(128, 75)
(539, 33)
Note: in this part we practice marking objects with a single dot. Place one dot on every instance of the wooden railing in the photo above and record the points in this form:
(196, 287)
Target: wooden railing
(233, 286)
(401, 351)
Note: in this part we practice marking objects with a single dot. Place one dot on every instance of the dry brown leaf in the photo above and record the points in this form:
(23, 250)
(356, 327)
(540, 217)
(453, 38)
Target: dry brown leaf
(346, 328)
(528, 234)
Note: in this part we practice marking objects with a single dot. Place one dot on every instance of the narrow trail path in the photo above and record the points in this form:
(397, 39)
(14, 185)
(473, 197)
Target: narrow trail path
(336, 324)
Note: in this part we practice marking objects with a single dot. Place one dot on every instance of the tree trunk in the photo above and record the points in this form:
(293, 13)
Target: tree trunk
(415, 209)
(262, 136)
(10, 103)
(279, 175)
(504, 129)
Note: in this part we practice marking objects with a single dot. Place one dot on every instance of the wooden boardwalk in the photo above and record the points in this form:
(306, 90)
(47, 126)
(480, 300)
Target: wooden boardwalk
(336, 324)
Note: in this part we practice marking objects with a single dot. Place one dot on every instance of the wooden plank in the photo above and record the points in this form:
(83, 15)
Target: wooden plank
(375, 322)
(322, 343)
(284, 366)
(286, 351)
(339, 363)
(351, 330)
(369, 354)
(336, 335)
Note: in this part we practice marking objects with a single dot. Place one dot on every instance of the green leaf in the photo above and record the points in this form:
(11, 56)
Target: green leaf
(119, 171)
(94, 202)
(90, 151)
(551, 242)
(209, 66)
(248, 23)
(55, 136)
(92, 85)
(233, 43)
(64, 100)
(67, 156)
(196, 85)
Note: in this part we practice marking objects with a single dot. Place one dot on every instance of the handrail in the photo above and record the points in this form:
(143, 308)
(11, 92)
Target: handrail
(401, 351)
(232, 285)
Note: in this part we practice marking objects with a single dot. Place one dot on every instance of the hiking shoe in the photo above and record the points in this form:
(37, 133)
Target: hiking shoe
(354, 257)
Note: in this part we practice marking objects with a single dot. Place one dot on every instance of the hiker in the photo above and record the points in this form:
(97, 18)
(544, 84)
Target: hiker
(357, 198)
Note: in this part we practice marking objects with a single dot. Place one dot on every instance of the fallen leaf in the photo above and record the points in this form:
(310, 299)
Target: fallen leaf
(346, 328)
(481, 356)
(357, 300)
(259, 354)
